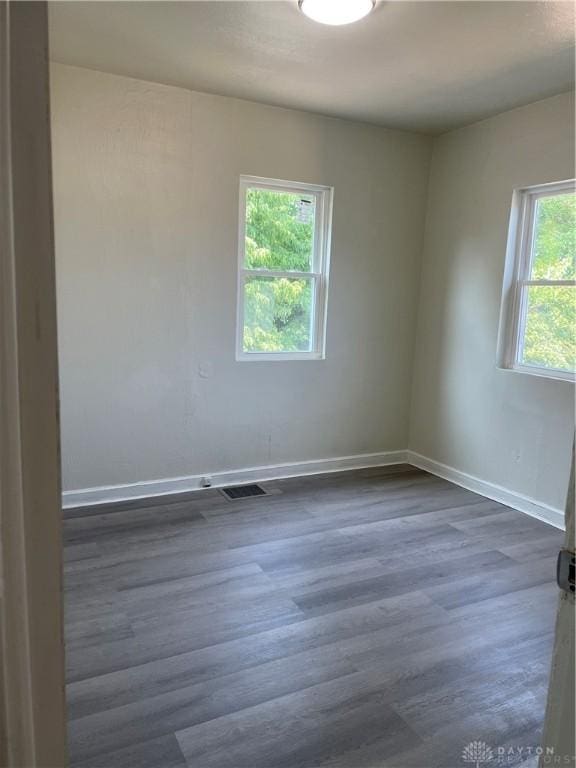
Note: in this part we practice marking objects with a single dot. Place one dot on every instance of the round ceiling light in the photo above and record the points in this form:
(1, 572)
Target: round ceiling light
(336, 12)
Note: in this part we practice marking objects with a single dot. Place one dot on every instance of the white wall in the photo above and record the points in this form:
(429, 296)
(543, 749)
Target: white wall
(507, 428)
(146, 186)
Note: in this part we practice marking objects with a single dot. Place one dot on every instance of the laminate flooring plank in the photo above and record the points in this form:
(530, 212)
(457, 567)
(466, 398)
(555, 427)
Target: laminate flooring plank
(162, 637)
(163, 752)
(155, 716)
(299, 730)
(478, 587)
(340, 635)
(402, 581)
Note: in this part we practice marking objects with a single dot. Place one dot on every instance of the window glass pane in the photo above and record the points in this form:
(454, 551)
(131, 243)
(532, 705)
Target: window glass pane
(279, 230)
(554, 250)
(277, 314)
(550, 331)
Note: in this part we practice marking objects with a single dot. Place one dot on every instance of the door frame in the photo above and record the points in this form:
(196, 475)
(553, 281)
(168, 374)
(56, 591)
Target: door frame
(32, 709)
(558, 737)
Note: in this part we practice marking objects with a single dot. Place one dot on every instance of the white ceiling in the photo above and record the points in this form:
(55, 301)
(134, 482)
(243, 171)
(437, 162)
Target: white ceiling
(426, 66)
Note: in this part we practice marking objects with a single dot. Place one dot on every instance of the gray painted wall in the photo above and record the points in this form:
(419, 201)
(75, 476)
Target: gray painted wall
(507, 428)
(146, 207)
(146, 185)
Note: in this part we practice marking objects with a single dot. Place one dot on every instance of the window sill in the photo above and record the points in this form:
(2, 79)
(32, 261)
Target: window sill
(541, 373)
(267, 357)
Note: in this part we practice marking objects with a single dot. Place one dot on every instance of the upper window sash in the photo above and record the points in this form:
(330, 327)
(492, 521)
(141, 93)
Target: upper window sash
(525, 252)
(320, 233)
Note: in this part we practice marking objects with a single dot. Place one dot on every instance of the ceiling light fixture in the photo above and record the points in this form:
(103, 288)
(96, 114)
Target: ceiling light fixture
(336, 12)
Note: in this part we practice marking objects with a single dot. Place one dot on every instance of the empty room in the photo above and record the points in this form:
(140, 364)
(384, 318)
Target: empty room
(313, 299)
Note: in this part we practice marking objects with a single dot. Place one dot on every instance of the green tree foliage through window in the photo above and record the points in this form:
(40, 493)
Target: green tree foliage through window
(550, 330)
(277, 315)
(279, 237)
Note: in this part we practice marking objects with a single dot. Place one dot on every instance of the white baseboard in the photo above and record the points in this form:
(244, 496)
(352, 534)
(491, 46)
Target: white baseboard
(148, 488)
(492, 491)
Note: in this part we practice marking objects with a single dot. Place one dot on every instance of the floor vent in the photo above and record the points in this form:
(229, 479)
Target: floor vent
(243, 491)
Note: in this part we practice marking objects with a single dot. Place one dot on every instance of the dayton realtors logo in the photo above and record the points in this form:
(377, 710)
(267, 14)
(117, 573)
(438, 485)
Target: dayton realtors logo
(478, 753)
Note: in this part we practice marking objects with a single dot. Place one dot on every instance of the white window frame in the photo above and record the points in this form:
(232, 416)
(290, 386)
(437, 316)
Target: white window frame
(517, 279)
(319, 274)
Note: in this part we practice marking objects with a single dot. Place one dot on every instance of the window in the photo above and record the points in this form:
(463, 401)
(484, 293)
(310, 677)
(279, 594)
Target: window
(282, 269)
(538, 318)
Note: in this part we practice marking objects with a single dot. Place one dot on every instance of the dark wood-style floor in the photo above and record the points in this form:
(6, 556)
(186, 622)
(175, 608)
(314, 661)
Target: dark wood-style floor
(359, 620)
